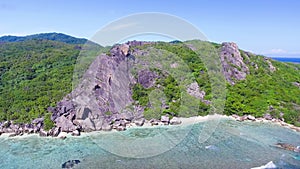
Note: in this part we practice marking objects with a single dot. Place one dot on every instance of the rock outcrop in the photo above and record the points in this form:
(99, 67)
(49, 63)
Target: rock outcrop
(233, 64)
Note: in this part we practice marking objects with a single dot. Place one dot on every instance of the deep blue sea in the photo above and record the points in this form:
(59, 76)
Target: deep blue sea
(293, 60)
(224, 144)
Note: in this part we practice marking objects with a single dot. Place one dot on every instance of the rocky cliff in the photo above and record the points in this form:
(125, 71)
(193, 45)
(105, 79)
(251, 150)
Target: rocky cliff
(101, 100)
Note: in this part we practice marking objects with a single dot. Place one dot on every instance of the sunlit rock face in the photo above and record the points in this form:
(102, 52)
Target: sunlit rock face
(233, 63)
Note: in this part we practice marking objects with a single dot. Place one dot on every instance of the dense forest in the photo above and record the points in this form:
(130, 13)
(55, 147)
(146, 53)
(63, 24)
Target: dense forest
(36, 73)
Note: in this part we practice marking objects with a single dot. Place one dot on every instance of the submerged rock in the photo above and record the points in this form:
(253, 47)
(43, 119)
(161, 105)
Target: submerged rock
(70, 163)
(288, 147)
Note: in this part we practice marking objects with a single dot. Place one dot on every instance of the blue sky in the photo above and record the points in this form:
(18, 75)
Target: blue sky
(270, 27)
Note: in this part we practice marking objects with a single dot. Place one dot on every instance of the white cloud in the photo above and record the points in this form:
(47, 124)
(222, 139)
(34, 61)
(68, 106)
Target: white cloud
(276, 51)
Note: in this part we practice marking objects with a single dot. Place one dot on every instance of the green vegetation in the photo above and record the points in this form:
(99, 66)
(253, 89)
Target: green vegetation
(34, 75)
(59, 37)
(266, 92)
(261, 92)
(48, 123)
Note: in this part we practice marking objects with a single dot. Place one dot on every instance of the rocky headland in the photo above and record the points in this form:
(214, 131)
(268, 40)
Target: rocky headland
(103, 98)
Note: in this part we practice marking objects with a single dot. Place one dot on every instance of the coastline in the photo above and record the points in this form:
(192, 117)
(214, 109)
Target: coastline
(147, 124)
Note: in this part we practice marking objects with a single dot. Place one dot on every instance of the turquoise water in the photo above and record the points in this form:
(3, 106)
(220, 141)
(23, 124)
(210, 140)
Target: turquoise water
(232, 145)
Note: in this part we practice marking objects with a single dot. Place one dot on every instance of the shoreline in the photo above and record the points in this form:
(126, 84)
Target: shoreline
(147, 124)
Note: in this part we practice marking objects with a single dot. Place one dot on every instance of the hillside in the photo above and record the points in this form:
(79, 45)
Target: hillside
(59, 37)
(35, 74)
(38, 74)
(158, 81)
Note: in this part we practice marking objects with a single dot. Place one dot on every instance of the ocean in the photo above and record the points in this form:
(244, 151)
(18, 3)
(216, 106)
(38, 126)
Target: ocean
(293, 60)
(228, 144)
(221, 144)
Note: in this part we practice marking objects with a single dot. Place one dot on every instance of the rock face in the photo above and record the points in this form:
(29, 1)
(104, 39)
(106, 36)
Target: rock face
(103, 93)
(146, 78)
(271, 67)
(233, 63)
(194, 90)
(65, 124)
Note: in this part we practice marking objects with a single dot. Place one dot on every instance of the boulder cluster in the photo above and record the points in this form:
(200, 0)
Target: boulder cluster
(36, 126)
(266, 118)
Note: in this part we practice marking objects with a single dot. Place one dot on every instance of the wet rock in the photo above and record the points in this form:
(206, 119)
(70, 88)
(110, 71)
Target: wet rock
(165, 119)
(139, 122)
(62, 137)
(268, 116)
(121, 128)
(13, 135)
(106, 127)
(154, 122)
(76, 133)
(250, 117)
(65, 124)
(54, 132)
(70, 164)
(175, 121)
(98, 124)
(88, 125)
(43, 133)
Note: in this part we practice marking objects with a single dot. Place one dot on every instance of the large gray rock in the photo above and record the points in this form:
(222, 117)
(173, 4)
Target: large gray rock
(65, 124)
(250, 117)
(43, 133)
(267, 116)
(83, 113)
(121, 128)
(106, 127)
(127, 115)
(139, 122)
(76, 133)
(146, 78)
(98, 124)
(165, 119)
(55, 131)
(232, 62)
(175, 121)
(37, 120)
(88, 125)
